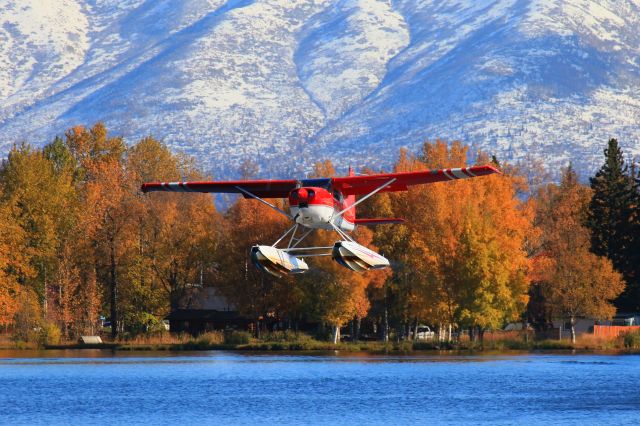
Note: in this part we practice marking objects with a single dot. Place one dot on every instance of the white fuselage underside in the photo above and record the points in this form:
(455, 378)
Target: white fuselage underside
(319, 216)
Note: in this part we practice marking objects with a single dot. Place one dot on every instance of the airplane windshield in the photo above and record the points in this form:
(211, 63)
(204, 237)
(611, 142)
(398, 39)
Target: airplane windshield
(318, 183)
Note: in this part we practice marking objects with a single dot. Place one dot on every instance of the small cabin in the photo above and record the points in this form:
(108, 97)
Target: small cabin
(202, 309)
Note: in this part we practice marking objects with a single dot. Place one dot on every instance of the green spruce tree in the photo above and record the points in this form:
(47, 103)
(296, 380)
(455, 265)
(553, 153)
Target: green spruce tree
(634, 254)
(613, 219)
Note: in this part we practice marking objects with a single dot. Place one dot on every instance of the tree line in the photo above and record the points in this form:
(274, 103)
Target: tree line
(78, 240)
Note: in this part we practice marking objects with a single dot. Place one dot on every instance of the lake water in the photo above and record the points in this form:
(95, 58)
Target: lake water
(100, 387)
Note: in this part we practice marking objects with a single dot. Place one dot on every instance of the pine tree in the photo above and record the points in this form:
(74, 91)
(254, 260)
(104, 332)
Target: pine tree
(634, 255)
(611, 218)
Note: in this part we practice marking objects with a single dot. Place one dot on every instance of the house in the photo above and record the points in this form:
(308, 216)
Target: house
(619, 324)
(563, 327)
(623, 319)
(202, 310)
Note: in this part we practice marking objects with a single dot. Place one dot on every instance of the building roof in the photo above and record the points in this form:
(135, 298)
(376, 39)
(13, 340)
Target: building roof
(203, 315)
(206, 298)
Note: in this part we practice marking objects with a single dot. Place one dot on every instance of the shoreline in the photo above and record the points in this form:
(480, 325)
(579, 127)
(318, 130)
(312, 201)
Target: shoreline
(282, 342)
(92, 352)
(323, 349)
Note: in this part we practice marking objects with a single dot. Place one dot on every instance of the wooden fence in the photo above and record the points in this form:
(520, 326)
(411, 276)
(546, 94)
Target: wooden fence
(613, 330)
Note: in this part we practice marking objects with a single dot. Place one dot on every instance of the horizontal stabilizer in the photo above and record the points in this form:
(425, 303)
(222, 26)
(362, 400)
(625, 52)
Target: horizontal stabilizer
(371, 222)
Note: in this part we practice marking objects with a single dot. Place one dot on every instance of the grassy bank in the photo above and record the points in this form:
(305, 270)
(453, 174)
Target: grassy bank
(283, 341)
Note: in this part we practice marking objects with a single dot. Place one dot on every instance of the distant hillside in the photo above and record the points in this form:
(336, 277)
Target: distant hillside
(284, 82)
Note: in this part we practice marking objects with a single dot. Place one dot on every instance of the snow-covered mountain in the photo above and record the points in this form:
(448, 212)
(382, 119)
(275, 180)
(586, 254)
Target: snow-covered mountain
(285, 82)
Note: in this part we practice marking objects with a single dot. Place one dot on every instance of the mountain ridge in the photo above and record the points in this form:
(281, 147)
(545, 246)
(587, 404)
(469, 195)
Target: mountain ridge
(286, 83)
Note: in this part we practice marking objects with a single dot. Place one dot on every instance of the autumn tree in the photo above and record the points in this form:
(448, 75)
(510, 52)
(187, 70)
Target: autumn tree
(14, 265)
(42, 199)
(73, 291)
(335, 295)
(146, 295)
(41, 194)
(414, 293)
(491, 276)
(460, 258)
(575, 282)
(143, 250)
(183, 234)
(108, 203)
(255, 294)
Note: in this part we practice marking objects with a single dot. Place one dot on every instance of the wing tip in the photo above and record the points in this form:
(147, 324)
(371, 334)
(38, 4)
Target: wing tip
(494, 169)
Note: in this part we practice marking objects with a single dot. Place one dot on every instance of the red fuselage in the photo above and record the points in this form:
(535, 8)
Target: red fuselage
(316, 207)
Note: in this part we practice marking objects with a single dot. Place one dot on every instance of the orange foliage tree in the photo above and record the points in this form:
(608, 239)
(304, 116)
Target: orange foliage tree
(255, 294)
(175, 237)
(335, 295)
(12, 265)
(108, 202)
(575, 282)
(461, 257)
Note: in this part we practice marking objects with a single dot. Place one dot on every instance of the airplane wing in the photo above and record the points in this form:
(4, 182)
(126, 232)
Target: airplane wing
(260, 188)
(361, 185)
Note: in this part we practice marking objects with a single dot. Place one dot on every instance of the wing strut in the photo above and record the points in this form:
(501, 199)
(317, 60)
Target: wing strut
(341, 232)
(380, 188)
(294, 228)
(282, 212)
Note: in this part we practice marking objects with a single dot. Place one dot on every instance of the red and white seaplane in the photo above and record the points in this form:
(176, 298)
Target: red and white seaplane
(324, 203)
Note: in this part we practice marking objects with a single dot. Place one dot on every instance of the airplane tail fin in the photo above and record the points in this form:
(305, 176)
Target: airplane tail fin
(351, 199)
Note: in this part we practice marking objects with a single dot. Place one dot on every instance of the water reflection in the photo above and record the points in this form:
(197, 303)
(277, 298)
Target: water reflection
(108, 356)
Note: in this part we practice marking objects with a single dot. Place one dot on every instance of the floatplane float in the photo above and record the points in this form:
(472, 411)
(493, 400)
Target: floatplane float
(323, 203)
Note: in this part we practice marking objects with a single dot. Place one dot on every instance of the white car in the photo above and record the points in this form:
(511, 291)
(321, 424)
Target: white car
(424, 333)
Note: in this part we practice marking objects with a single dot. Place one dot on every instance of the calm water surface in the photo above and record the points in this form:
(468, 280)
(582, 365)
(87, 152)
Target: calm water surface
(99, 387)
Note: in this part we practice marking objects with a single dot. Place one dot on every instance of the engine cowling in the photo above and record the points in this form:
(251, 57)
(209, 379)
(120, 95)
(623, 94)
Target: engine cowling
(356, 257)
